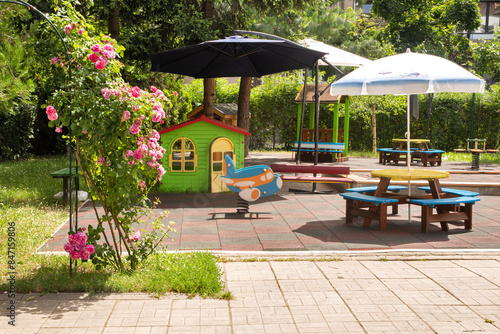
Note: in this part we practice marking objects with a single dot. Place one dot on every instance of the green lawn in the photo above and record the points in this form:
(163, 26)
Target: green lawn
(28, 217)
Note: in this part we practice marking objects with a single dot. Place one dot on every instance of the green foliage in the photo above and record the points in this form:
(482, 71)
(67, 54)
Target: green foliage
(486, 55)
(274, 112)
(113, 129)
(17, 132)
(452, 120)
(430, 26)
(347, 30)
(15, 83)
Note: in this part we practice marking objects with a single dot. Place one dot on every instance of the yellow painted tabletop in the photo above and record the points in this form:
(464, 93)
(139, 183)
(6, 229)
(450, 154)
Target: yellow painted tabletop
(416, 141)
(402, 174)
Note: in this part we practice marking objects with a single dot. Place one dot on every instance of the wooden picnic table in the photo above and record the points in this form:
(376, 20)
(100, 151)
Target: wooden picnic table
(64, 174)
(422, 152)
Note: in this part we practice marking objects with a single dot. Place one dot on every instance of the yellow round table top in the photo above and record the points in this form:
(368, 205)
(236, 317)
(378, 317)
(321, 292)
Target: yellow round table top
(411, 140)
(402, 174)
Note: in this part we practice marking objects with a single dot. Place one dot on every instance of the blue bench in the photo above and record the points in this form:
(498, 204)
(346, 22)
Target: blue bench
(451, 191)
(371, 189)
(367, 206)
(448, 209)
(309, 146)
(386, 155)
(430, 156)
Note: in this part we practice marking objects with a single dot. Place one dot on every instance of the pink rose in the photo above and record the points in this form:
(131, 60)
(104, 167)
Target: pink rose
(108, 54)
(101, 63)
(156, 117)
(137, 154)
(108, 47)
(67, 29)
(136, 91)
(93, 57)
(126, 114)
(58, 129)
(96, 48)
(161, 172)
(134, 129)
(80, 31)
(175, 93)
(51, 113)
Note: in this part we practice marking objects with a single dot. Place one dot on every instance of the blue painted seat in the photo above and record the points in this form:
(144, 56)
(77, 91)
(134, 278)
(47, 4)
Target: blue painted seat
(451, 191)
(368, 198)
(433, 202)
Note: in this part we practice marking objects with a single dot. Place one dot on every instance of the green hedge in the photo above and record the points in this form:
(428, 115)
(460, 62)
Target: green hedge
(16, 137)
(273, 121)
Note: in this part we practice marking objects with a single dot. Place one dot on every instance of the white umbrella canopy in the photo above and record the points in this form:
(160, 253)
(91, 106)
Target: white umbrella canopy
(335, 56)
(406, 74)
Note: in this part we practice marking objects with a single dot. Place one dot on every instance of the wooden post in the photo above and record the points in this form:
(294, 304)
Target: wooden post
(374, 129)
(347, 105)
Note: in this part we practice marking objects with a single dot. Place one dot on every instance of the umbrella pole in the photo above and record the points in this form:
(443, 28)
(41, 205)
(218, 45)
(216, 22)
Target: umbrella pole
(302, 116)
(408, 151)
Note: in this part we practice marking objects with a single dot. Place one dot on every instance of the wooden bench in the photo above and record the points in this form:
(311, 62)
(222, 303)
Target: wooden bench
(448, 209)
(336, 171)
(451, 191)
(386, 155)
(430, 156)
(367, 206)
(64, 174)
(370, 190)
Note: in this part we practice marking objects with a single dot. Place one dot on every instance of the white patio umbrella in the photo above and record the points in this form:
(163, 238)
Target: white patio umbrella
(406, 74)
(335, 56)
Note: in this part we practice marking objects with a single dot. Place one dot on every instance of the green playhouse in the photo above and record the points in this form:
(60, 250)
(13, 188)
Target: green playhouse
(195, 152)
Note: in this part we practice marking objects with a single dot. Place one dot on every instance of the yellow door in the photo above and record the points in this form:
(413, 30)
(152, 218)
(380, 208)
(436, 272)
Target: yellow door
(219, 148)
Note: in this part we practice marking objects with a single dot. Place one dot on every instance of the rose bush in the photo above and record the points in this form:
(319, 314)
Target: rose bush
(112, 128)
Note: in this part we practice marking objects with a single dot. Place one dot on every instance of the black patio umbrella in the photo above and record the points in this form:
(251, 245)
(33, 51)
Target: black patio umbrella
(235, 56)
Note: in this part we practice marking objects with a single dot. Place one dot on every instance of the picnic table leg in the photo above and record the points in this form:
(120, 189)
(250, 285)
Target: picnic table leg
(468, 211)
(348, 215)
(381, 188)
(436, 191)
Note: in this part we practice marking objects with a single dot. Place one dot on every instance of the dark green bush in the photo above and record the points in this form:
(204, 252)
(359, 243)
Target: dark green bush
(16, 136)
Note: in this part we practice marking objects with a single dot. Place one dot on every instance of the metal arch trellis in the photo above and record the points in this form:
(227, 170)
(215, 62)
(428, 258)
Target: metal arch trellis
(68, 57)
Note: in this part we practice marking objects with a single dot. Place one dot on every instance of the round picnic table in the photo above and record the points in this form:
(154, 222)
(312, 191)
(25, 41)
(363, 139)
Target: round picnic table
(403, 174)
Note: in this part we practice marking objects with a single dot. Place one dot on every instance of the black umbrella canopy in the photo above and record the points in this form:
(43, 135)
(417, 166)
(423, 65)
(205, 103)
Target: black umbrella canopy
(235, 56)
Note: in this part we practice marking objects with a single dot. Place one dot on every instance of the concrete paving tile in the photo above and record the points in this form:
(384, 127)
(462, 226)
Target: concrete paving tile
(189, 245)
(282, 245)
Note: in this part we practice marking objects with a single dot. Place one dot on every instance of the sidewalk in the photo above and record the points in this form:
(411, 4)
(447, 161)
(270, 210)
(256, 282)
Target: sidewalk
(447, 296)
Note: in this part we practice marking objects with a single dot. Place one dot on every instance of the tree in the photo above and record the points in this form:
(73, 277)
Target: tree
(486, 55)
(430, 26)
(16, 84)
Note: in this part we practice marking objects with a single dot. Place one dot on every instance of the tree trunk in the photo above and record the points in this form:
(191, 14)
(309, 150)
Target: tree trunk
(208, 83)
(244, 107)
(114, 23)
(208, 97)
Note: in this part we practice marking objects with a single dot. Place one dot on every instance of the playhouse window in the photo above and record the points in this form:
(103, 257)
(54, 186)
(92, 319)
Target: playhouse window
(183, 157)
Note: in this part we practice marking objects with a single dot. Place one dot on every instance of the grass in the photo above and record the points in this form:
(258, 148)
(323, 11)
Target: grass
(27, 203)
